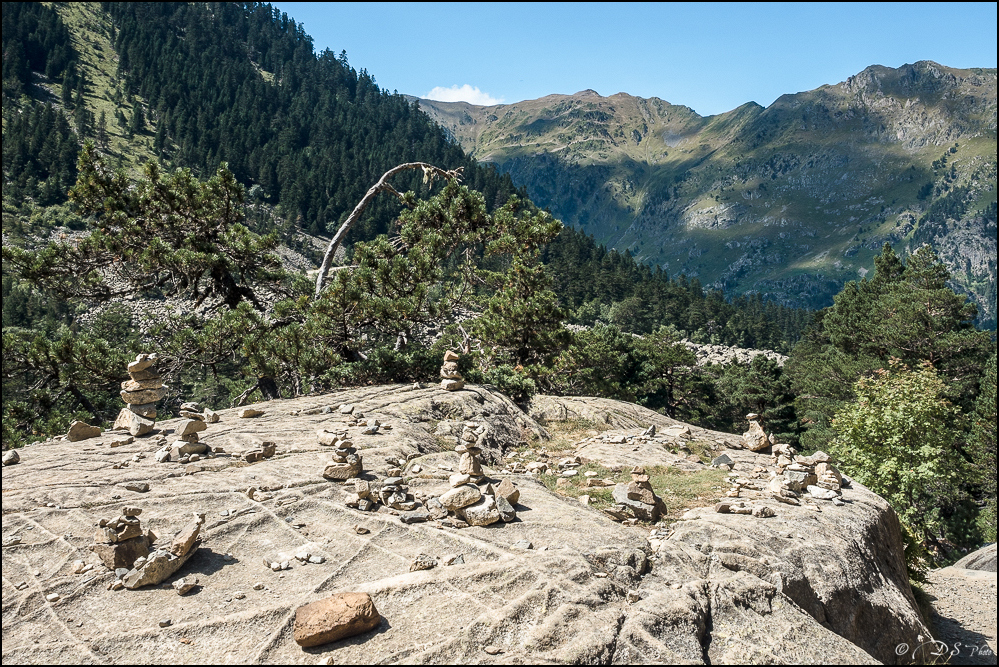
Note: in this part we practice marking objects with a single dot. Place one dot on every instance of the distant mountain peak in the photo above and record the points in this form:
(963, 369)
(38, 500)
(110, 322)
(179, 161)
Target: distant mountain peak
(791, 200)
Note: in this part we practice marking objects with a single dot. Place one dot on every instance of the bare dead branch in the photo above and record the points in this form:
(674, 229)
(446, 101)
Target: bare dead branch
(429, 173)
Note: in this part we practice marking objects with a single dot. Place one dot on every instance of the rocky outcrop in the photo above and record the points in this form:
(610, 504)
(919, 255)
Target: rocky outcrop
(559, 582)
(984, 559)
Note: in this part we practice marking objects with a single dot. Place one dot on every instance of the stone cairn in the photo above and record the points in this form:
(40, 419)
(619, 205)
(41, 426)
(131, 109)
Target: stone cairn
(471, 500)
(452, 380)
(814, 475)
(636, 500)
(468, 446)
(756, 439)
(790, 476)
(140, 395)
(128, 551)
(467, 504)
(346, 461)
(188, 447)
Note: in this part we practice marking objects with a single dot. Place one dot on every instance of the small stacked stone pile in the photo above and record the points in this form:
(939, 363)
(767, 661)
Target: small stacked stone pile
(756, 439)
(128, 552)
(119, 542)
(468, 446)
(636, 499)
(468, 504)
(187, 448)
(814, 475)
(395, 493)
(732, 507)
(452, 380)
(192, 410)
(361, 497)
(140, 395)
(346, 461)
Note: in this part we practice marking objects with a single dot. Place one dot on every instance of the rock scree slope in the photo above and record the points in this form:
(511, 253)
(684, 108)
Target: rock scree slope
(816, 583)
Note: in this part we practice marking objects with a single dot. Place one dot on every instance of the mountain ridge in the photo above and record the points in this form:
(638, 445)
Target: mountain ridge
(752, 196)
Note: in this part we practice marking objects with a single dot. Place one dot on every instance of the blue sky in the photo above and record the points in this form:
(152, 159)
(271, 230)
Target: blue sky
(710, 57)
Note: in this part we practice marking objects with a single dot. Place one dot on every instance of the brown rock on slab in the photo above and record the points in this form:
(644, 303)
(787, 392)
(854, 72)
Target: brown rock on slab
(341, 472)
(82, 431)
(147, 410)
(183, 540)
(250, 413)
(337, 617)
(452, 385)
(122, 441)
(142, 385)
(133, 423)
(129, 531)
(641, 492)
(159, 565)
(508, 490)
(144, 396)
(123, 554)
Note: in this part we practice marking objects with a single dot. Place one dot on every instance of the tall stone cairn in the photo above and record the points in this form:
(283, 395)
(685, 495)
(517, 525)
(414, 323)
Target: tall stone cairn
(451, 378)
(756, 439)
(469, 449)
(140, 395)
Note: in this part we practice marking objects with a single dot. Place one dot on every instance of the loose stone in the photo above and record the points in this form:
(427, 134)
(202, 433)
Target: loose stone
(336, 617)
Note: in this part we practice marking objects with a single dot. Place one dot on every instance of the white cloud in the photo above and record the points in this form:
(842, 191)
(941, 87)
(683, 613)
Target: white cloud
(465, 93)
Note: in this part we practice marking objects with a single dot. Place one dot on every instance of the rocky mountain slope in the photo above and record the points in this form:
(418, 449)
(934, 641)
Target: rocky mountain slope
(563, 582)
(792, 200)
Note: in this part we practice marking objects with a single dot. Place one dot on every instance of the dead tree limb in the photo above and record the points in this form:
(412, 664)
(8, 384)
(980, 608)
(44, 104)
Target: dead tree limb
(429, 173)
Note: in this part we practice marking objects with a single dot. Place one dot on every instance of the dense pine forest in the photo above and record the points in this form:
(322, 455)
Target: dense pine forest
(180, 178)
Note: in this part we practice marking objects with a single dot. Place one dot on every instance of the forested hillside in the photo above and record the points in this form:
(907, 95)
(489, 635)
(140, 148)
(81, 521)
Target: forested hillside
(194, 86)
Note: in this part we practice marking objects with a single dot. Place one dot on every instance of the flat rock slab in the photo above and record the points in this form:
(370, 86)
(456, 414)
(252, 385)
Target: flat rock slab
(766, 596)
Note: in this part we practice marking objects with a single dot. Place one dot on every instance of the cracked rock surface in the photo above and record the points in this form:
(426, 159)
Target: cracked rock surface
(815, 583)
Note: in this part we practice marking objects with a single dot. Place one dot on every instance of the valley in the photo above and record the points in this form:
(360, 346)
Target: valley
(790, 201)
